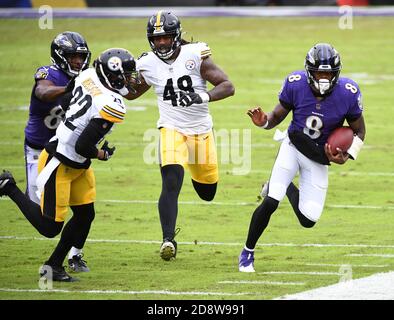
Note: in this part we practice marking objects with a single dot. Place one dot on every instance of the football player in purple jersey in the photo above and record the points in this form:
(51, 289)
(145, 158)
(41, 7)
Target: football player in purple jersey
(320, 102)
(52, 87)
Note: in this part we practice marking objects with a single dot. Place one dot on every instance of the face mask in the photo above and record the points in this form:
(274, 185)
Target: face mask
(323, 85)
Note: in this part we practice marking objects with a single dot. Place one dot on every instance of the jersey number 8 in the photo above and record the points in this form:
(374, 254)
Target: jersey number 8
(53, 119)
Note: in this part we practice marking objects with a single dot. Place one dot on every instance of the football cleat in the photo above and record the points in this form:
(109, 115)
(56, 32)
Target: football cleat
(6, 179)
(246, 261)
(56, 274)
(77, 264)
(168, 249)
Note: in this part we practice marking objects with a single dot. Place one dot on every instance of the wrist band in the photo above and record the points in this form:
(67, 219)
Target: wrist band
(355, 147)
(265, 126)
(205, 97)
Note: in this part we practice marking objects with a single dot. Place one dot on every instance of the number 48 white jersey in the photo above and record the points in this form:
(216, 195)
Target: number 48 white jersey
(168, 80)
(90, 100)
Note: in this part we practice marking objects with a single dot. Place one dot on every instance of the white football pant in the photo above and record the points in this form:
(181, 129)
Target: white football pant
(313, 180)
(31, 158)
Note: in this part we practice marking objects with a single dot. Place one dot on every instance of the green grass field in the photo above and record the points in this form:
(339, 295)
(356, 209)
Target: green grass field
(123, 246)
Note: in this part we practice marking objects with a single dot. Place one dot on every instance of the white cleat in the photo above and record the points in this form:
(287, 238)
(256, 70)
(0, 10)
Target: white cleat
(246, 261)
(248, 268)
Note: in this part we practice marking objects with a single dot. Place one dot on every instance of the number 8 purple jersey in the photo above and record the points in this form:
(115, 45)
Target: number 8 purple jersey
(315, 118)
(44, 117)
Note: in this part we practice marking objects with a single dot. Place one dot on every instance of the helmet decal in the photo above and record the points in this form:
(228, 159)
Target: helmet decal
(158, 24)
(114, 63)
(61, 40)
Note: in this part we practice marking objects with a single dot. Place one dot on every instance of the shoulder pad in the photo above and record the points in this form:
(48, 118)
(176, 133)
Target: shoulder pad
(41, 73)
(202, 49)
(142, 55)
(111, 108)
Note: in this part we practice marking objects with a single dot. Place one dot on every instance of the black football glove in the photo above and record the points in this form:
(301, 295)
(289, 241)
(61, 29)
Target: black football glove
(108, 152)
(186, 99)
(70, 85)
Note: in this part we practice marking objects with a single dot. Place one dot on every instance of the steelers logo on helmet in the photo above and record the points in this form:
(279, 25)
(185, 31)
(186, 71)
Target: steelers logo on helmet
(114, 63)
(190, 64)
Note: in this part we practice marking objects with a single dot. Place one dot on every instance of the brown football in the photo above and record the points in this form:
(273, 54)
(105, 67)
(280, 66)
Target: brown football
(341, 138)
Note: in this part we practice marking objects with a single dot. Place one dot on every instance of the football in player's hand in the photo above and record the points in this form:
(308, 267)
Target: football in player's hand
(341, 138)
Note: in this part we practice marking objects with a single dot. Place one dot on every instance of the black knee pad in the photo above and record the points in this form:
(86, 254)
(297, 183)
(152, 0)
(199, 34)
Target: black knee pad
(205, 191)
(305, 222)
(270, 204)
(84, 213)
(51, 228)
(172, 176)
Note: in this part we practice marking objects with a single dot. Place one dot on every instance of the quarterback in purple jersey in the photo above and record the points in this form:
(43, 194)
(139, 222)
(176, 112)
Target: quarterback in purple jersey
(320, 102)
(53, 84)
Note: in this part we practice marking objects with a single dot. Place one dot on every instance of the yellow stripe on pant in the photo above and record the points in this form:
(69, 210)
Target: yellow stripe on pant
(195, 152)
(67, 187)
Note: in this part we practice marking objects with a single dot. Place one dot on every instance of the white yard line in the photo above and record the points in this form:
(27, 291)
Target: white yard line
(378, 286)
(127, 292)
(236, 203)
(208, 243)
(352, 265)
(274, 283)
(154, 167)
(371, 255)
(309, 273)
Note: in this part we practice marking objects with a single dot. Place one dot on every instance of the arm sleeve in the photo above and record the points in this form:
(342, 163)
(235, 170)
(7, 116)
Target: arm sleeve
(90, 137)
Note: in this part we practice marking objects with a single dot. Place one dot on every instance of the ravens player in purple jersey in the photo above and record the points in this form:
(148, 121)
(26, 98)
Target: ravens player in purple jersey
(53, 85)
(320, 102)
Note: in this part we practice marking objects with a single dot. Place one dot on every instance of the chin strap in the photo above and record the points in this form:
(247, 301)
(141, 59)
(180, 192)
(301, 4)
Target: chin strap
(355, 147)
(123, 91)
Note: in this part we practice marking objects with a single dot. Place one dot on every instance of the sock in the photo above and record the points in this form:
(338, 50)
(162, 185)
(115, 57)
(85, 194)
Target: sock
(74, 252)
(64, 245)
(260, 220)
(172, 179)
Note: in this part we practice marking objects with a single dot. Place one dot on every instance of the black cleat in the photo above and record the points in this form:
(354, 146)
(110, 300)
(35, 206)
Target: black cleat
(168, 249)
(77, 264)
(6, 179)
(56, 274)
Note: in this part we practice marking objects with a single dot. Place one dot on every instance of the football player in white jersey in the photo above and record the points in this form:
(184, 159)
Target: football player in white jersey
(65, 177)
(178, 72)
